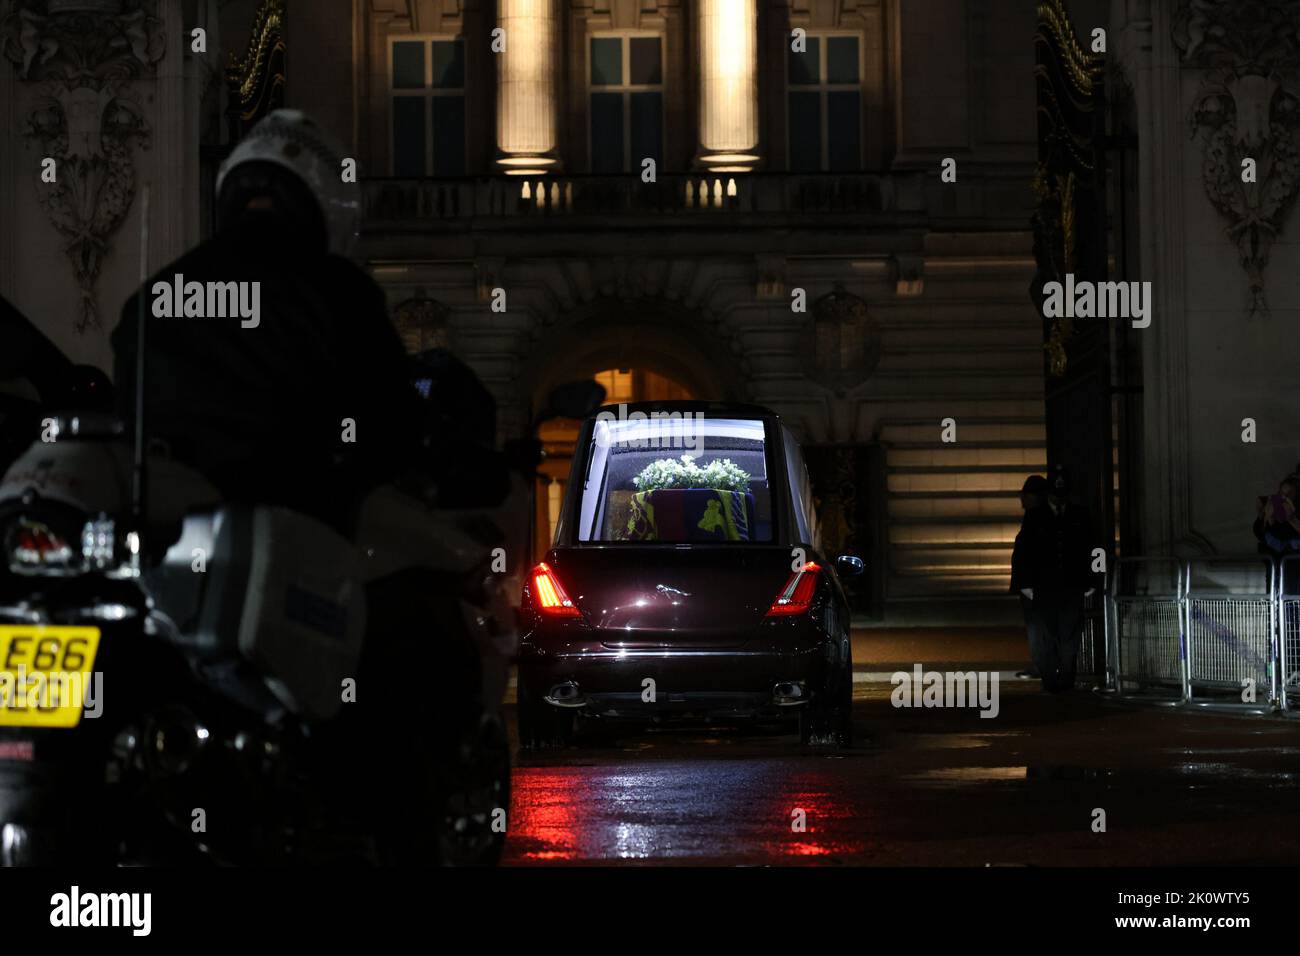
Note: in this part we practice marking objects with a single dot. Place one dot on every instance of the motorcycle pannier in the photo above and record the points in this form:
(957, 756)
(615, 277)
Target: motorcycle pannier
(303, 617)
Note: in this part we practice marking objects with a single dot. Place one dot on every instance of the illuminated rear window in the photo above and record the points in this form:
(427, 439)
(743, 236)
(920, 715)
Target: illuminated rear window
(677, 479)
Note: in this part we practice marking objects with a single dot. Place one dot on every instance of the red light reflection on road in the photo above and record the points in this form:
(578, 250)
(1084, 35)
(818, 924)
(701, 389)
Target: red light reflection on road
(683, 812)
(823, 818)
(543, 822)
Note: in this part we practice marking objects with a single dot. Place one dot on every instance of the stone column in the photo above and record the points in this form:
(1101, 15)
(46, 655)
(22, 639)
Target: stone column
(526, 82)
(728, 53)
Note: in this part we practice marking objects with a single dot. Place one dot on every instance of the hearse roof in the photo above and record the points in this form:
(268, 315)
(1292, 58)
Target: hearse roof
(713, 409)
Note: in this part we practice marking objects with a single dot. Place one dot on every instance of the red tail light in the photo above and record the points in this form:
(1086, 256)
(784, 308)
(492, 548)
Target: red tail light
(548, 594)
(796, 597)
(33, 546)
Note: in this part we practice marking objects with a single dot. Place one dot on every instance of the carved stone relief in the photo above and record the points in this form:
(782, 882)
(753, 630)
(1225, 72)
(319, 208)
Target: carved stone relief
(845, 342)
(1247, 108)
(82, 56)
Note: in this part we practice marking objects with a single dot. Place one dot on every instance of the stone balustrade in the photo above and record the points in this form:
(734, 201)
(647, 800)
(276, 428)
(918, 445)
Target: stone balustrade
(699, 194)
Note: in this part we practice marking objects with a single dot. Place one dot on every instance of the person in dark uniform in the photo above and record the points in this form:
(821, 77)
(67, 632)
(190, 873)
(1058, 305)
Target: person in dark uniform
(1033, 495)
(1051, 568)
(263, 408)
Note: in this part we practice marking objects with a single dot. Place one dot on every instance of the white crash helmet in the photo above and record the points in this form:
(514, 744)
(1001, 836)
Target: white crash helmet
(291, 139)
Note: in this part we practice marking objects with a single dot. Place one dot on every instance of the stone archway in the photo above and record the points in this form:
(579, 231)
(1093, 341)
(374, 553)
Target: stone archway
(655, 335)
(607, 334)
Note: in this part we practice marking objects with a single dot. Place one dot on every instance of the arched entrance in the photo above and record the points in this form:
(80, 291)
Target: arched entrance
(640, 351)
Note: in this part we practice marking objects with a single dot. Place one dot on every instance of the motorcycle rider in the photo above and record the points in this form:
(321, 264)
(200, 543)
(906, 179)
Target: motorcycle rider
(311, 404)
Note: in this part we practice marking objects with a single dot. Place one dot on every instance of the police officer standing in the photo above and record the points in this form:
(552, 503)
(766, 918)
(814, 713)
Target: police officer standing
(1050, 568)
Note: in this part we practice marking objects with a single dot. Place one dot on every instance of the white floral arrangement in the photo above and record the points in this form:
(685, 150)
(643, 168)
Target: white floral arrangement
(718, 475)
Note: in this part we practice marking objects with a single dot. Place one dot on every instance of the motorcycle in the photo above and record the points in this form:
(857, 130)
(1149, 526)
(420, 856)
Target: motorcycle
(200, 681)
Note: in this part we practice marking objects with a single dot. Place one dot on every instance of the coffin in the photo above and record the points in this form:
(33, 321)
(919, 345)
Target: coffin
(682, 514)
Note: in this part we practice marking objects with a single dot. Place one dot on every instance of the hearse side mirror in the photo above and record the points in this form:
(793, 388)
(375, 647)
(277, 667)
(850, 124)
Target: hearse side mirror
(849, 565)
(574, 400)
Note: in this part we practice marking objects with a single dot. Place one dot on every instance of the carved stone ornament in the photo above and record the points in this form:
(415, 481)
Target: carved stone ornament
(422, 324)
(843, 342)
(1247, 107)
(83, 55)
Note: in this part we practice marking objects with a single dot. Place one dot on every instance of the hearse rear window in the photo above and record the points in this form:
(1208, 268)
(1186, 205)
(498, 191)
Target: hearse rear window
(683, 478)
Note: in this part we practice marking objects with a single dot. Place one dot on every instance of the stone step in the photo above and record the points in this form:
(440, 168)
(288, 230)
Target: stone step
(962, 481)
(969, 431)
(977, 557)
(960, 455)
(954, 535)
(975, 407)
(946, 586)
(1000, 506)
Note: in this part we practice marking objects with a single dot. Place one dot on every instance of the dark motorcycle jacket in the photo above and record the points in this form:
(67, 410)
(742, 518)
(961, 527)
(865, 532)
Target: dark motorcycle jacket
(265, 412)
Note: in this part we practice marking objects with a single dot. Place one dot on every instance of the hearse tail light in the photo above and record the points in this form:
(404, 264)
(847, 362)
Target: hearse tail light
(548, 594)
(796, 597)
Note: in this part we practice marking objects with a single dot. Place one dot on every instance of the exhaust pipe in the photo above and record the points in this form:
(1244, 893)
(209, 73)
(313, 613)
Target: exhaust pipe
(789, 694)
(567, 694)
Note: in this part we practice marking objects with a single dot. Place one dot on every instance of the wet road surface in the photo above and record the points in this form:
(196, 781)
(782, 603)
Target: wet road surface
(926, 787)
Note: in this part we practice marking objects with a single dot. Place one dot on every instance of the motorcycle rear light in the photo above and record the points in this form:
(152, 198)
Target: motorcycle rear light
(33, 546)
(98, 542)
(548, 594)
(796, 597)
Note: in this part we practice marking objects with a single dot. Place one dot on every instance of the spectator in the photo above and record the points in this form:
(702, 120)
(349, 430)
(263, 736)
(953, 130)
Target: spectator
(1281, 524)
(1033, 494)
(1054, 574)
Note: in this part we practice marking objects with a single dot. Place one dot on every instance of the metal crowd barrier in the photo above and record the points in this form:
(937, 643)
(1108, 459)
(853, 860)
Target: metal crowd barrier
(1213, 632)
(1230, 619)
(1094, 630)
(1145, 626)
(1288, 619)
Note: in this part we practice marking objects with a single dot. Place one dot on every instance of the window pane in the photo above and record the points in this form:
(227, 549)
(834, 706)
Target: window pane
(408, 136)
(449, 136)
(606, 61)
(805, 132)
(607, 132)
(647, 128)
(842, 124)
(448, 58)
(841, 59)
(645, 64)
(805, 68)
(671, 503)
(408, 65)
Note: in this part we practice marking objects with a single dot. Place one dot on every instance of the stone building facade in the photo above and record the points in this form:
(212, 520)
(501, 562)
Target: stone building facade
(508, 168)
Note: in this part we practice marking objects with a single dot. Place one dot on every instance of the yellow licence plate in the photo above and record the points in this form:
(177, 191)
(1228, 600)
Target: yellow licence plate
(44, 674)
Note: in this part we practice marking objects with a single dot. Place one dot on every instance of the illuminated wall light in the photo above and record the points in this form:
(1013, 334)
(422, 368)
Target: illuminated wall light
(526, 85)
(728, 82)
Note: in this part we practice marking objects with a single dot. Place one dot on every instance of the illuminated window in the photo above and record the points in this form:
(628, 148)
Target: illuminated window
(427, 87)
(825, 105)
(618, 383)
(627, 102)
